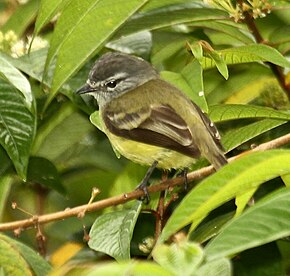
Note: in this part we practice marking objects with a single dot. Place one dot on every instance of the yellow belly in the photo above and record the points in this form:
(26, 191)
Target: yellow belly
(146, 154)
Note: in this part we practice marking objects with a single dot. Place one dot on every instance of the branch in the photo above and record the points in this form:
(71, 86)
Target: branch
(277, 70)
(35, 221)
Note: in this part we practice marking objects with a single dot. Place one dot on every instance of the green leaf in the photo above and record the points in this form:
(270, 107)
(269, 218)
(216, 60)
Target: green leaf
(18, 259)
(179, 258)
(210, 229)
(5, 185)
(139, 44)
(48, 9)
(220, 63)
(96, 120)
(263, 260)
(31, 64)
(42, 171)
(169, 16)
(83, 28)
(243, 174)
(21, 18)
(16, 78)
(189, 82)
(220, 267)
(226, 27)
(238, 136)
(60, 133)
(17, 127)
(128, 268)
(269, 220)
(111, 233)
(249, 53)
(225, 112)
(243, 199)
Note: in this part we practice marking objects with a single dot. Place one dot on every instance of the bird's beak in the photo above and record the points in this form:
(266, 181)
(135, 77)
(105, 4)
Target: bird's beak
(85, 89)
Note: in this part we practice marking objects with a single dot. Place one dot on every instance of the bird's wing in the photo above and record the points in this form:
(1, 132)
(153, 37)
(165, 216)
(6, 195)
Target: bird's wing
(157, 125)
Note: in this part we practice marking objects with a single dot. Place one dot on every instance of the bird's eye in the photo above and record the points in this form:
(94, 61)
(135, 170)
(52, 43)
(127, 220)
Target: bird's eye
(111, 84)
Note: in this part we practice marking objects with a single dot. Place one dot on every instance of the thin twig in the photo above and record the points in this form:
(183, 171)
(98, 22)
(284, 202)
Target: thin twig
(20, 225)
(277, 70)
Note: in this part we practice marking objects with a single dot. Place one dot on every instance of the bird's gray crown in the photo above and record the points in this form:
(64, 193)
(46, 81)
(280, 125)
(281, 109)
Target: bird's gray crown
(116, 73)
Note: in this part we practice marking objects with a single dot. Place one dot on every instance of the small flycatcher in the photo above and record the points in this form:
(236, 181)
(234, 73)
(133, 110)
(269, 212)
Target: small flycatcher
(148, 120)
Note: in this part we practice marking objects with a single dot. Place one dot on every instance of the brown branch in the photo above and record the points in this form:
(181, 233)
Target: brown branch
(34, 221)
(277, 70)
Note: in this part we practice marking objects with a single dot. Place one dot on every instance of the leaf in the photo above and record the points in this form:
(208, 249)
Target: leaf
(44, 172)
(48, 9)
(17, 127)
(180, 258)
(242, 200)
(18, 259)
(249, 53)
(169, 16)
(210, 229)
(127, 268)
(236, 137)
(224, 27)
(83, 28)
(5, 185)
(31, 64)
(225, 112)
(189, 82)
(139, 44)
(21, 18)
(17, 79)
(96, 121)
(111, 233)
(269, 220)
(60, 133)
(220, 267)
(243, 174)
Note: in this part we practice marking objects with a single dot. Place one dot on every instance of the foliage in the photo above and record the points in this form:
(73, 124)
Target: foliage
(230, 57)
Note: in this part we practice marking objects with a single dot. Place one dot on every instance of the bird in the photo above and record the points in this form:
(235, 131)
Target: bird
(148, 120)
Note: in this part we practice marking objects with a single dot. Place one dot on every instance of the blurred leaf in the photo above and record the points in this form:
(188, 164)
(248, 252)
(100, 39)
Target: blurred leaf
(220, 267)
(17, 127)
(224, 27)
(31, 64)
(131, 175)
(127, 268)
(225, 112)
(60, 132)
(5, 186)
(111, 233)
(210, 229)
(21, 18)
(245, 173)
(260, 261)
(17, 79)
(76, 37)
(179, 258)
(236, 137)
(96, 121)
(42, 171)
(137, 44)
(286, 180)
(48, 9)
(190, 82)
(275, 211)
(18, 259)
(169, 16)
